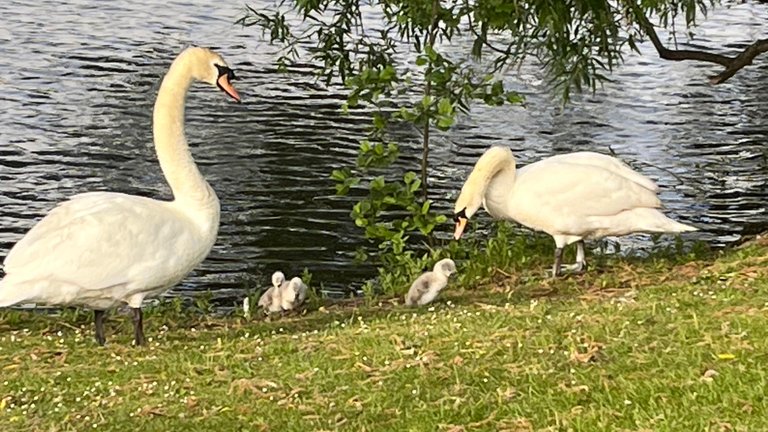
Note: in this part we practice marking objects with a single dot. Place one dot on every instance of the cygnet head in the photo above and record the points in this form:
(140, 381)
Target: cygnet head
(296, 284)
(277, 279)
(208, 66)
(445, 267)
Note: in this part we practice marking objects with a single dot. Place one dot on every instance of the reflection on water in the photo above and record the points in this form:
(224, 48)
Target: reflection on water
(76, 97)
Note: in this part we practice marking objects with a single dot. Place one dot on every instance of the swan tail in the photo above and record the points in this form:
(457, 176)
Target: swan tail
(680, 227)
(652, 220)
(647, 220)
(10, 295)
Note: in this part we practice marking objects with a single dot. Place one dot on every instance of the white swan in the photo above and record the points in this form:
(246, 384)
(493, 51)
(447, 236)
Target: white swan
(271, 300)
(427, 286)
(103, 249)
(570, 197)
(293, 294)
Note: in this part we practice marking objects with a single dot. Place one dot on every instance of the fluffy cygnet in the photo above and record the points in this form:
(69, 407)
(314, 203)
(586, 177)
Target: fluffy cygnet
(427, 286)
(271, 300)
(293, 294)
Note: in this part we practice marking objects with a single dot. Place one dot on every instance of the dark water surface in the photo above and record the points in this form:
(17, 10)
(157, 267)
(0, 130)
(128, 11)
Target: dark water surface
(78, 80)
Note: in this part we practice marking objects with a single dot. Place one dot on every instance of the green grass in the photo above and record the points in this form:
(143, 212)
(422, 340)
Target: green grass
(649, 345)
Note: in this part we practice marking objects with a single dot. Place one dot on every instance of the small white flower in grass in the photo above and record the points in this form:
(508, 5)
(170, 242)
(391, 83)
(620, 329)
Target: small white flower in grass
(627, 402)
(413, 391)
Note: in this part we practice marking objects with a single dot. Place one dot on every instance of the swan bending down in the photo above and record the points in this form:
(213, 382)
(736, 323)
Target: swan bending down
(570, 197)
(103, 249)
(427, 286)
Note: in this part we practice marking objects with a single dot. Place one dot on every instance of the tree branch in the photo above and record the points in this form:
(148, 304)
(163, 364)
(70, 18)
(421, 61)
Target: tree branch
(731, 64)
(741, 60)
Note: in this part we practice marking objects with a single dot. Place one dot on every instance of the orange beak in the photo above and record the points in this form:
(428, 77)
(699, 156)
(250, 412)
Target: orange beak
(461, 223)
(225, 85)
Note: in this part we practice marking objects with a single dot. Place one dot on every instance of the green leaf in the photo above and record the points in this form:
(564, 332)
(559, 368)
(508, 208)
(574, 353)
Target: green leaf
(379, 122)
(444, 122)
(515, 98)
(445, 107)
(377, 183)
(340, 175)
(388, 73)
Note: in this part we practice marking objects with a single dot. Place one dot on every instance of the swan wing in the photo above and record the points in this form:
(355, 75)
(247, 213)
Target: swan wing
(606, 162)
(99, 240)
(554, 195)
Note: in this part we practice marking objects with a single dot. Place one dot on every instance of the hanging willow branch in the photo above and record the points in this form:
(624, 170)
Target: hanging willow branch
(731, 64)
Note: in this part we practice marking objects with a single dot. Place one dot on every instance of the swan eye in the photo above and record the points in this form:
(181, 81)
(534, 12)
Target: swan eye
(224, 70)
(460, 215)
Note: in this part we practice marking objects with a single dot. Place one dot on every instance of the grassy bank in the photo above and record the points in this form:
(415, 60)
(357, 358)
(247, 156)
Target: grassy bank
(651, 345)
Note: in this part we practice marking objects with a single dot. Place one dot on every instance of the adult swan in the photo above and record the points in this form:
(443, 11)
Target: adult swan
(103, 249)
(570, 197)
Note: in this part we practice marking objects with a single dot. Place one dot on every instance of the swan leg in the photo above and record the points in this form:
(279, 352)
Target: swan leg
(558, 262)
(138, 327)
(98, 320)
(581, 261)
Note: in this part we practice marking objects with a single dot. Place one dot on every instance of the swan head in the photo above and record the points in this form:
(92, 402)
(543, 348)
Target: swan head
(277, 279)
(208, 66)
(445, 267)
(296, 284)
(472, 193)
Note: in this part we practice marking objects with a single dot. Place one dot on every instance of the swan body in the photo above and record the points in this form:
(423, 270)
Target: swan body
(271, 300)
(571, 197)
(293, 294)
(104, 249)
(282, 295)
(426, 287)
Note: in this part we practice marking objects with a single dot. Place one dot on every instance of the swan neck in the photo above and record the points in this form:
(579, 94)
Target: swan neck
(179, 168)
(490, 165)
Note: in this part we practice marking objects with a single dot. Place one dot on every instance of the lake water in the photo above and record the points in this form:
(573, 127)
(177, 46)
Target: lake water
(78, 80)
